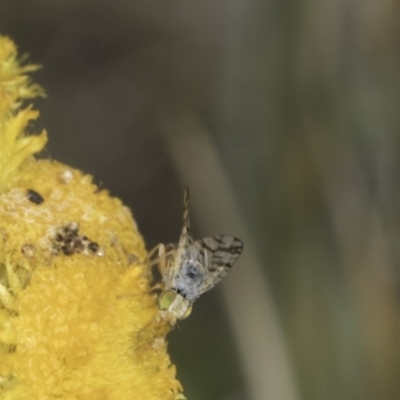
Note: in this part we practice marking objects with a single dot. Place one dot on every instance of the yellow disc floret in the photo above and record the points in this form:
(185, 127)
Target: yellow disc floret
(77, 317)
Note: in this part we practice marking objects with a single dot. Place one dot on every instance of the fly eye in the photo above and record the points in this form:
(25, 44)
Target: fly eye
(166, 299)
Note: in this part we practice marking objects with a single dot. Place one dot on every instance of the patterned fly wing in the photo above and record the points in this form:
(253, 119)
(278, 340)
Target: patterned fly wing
(186, 236)
(185, 242)
(202, 265)
(217, 254)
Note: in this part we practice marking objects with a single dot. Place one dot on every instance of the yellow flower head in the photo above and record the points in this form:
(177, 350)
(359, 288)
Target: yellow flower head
(77, 317)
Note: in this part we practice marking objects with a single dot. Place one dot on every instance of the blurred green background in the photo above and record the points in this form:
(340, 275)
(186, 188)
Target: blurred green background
(283, 118)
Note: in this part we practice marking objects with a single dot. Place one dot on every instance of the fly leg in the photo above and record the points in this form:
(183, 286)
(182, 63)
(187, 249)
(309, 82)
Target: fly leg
(161, 255)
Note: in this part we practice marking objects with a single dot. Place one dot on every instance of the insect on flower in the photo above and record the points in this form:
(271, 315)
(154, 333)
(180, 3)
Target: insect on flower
(191, 267)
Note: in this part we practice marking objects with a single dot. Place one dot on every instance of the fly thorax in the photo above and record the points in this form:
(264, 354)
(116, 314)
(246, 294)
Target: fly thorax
(188, 280)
